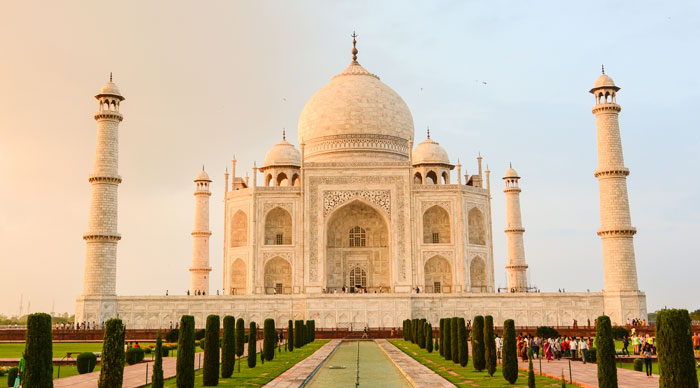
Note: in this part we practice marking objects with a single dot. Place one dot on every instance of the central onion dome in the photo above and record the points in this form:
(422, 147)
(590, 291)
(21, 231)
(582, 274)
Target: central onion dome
(355, 117)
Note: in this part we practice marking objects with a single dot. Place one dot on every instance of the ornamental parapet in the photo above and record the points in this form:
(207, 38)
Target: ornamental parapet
(356, 142)
(611, 172)
(102, 237)
(288, 189)
(203, 192)
(521, 230)
(524, 266)
(201, 269)
(621, 232)
(109, 115)
(509, 190)
(199, 233)
(115, 179)
(610, 108)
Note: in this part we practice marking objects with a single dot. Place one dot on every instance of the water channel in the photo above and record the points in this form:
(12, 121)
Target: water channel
(374, 368)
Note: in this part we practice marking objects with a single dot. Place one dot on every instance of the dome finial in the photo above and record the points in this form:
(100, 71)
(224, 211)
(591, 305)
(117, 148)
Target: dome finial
(428, 132)
(354, 49)
(602, 67)
(511, 164)
(284, 134)
(202, 167)
(110, 76)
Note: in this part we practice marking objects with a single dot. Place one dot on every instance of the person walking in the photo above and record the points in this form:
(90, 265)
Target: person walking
(646, 352)
(574, 348)
(625, 344)
(548, 349)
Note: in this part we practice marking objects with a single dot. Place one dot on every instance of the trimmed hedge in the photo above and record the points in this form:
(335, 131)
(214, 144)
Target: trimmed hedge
(530, 370)
(447, 343)
(112, 356)
(441, 335)
(210, 377)
(462, 346)
(489, 345)
(252, 335)
(269, 339)
(172, 335)
(240, 340)
(674, 346)
(200, 334)
(86, 362)
(290, 336)
(454, 339)
(157, 375)
(547, 332)
(298, 333)
(38, 352)
(429, 337)
(184, 373)
(510, 356)
(638, 365)
(228, 347)
(620, 332)
(134, 355)
(605, 353)
(12, 376)
(478, 348)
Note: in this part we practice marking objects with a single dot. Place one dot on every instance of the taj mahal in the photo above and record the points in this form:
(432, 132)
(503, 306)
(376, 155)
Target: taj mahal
(361, 224)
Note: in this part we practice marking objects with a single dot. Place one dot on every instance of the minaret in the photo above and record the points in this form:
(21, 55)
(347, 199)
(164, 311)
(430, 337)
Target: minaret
(616, 229)
(515, 247)
(199, 272)
(100, 276)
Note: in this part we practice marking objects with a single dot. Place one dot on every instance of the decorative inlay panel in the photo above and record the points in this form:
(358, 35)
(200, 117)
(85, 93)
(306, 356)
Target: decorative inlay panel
(333, 199)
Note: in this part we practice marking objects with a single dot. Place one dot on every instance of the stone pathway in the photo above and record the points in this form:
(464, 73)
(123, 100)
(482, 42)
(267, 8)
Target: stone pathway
(135, 376)
(586, 375)
(296, 375)
(414, 371)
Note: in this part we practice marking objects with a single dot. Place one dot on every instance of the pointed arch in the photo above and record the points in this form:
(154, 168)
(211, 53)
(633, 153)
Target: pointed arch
(477, 275)
(438, 275)
(445, 178)
(238, 277)
(278, 227)
(278, 276)
(436, 226)
(417, 178)
(431, 178)
(268, 179)
(239, 229)
(477, 227)
(282, 179)
(295, 180)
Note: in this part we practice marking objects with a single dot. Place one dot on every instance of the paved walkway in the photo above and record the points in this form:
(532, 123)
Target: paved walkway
(586, 375)
(135, 376)
(419, 374)
(296, 375)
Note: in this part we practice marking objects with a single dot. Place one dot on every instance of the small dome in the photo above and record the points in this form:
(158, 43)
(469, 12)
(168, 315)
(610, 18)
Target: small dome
(430, 152)
(603, 81)
(282, 154)
(202, 176)
(110, 89)
(511, 173)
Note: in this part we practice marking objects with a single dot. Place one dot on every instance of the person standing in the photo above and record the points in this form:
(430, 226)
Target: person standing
(499, 347)
(646, 352)
(625, 344)
(696, 344)
(574, 348)
(583, 347)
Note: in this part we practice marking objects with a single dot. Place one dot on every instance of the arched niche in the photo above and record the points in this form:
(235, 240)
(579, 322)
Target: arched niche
(278, 227)
(238, 277)
(477, 227)
(278, 276)
(436, 226)
(431, 178)
(239, 229)
(438, 275)
(477, 275)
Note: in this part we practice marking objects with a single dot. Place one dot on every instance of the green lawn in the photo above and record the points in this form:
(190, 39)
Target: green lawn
(14, 350)
(467, 376)
(68, 370)
(654, 367)
(262, 373)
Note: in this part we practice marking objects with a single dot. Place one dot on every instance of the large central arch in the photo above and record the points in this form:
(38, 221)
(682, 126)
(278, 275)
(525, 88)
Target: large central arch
(278, 276)
(357, 240)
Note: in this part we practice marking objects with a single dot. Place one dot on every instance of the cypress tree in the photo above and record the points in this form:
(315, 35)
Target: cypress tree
(462, 345)
(298, 333)
(414, 330)
(228, 347)
(185, 353)
(252, 335)
(437, 343)
(403, 331)
(421, 333)
(38, 352)
(112, 363)
(489, 345)
(441, 335)
(510, 356)
(290, 336)
(530, 371)
(447, 341)
(269, 335)
(429, 337)
(157, 375)
(211, 352)
(240, 340)
(478, 349)
(313, 330)
(674, 346)
(454, 339)
(605, 353)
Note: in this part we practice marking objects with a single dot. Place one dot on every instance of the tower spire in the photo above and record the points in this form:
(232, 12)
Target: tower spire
(602, 68)
(284, 134)
(354, 49)
(110, 76)
(428, 132)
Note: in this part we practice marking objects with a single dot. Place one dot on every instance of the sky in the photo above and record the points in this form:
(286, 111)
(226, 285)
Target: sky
(206, 80)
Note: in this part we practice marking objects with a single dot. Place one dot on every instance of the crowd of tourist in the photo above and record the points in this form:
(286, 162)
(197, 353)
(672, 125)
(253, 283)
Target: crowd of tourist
(84, 325)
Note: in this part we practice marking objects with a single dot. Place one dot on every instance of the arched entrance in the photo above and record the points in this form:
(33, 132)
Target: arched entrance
(238, 277)
(278, 276)
(357, 244)
(438, 275)
(478, 275)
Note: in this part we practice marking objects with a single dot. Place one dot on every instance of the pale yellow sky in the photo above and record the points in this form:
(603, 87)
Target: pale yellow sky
(206, 80)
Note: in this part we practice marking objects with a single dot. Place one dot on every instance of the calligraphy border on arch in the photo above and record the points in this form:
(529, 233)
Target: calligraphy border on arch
(334, 198)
